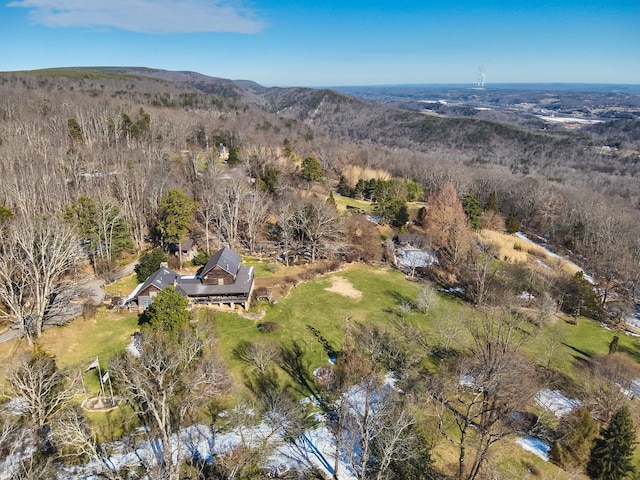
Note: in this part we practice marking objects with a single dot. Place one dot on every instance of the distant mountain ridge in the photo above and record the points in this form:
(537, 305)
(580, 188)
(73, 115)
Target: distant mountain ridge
(470, 135)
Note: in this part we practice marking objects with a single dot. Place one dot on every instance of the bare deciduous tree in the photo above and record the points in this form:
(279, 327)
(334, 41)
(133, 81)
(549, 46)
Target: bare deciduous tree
(483, 389)
(39, 390)
(74, 438)
(174, 374)
(259, 355)
(37, 263)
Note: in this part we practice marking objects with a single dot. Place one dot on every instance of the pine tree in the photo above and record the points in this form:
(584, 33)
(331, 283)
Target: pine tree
(148, 263)
(612, 453)
(577, 432)
(512, 225)
(472, 210)
(492, 202)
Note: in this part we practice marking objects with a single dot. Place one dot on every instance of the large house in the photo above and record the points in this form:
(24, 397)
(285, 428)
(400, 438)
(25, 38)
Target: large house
(222, 281)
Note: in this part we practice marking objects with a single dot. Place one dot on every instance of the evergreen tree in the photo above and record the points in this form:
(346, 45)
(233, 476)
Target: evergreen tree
(580, 299)
(577, 431)
(414, 191)
(148, 263)
(359, 190)
(101, 226)
(176, 212)
(82, 215)
(287, 149)
(234, 156)
(168, 312)
(612, 453)
(75, 130)
(312, 170)
(370, 189)
(512, 225)
(5, 214)
(472, 210)
(492, 202)
(344, 188)
(402, 216)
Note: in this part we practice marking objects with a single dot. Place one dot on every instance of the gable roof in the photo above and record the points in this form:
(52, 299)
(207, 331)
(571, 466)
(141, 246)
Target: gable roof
(161, 278)
(193, 287)
(413, 238)
(226, 259)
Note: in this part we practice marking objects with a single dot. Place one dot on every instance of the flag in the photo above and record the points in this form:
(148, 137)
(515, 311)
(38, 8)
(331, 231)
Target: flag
(105, 377)
(93, 365)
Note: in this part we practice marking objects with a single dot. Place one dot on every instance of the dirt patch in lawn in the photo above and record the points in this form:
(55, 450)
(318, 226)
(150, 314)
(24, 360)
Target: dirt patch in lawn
(342, 286)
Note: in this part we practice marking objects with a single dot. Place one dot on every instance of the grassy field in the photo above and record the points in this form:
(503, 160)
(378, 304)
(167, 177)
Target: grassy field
(359, 293)
(122, 287)
(343, 202)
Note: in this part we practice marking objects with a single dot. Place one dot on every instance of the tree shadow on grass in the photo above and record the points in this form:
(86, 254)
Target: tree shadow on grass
(585, 355)
(632, 351)
(293, 363)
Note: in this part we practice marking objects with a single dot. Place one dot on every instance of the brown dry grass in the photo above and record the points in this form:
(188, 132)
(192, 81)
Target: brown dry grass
(513, 249)
(353, 173)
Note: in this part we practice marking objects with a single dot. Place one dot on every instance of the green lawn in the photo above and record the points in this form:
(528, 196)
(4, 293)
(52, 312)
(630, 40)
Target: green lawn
(262, 268)
(382, 291)
(564, 346)
(343, 202)
(123, 287)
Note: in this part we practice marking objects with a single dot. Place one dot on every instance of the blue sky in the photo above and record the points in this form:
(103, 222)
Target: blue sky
(333, 42)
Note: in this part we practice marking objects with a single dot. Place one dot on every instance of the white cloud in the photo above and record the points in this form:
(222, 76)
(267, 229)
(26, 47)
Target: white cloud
(146, 16)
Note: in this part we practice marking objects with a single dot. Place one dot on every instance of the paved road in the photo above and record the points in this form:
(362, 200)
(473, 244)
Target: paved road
(90, 287)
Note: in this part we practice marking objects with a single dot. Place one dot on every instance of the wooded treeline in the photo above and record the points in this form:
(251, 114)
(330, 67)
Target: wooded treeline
(121, 142)
(93, 165)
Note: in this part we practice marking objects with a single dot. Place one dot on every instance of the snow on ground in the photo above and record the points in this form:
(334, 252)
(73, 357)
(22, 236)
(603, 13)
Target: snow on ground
(315, 448)
(416, 258)
(522, 236)
(555, 401)
(633, 320)
(535, 445)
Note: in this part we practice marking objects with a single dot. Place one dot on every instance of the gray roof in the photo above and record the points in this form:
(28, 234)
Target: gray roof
(163, 277)
(193, 287)
(226, 259)
(414, 238)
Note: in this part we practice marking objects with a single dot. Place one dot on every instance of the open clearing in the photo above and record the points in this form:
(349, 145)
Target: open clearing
(342, 286)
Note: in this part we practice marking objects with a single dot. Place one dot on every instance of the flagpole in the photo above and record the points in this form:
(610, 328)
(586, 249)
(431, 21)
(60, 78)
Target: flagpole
(84, 389)
(113, 402)
(100, 377)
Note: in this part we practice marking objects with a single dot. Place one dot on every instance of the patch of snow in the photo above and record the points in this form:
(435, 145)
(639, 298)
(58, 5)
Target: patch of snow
(134, 347)
(555, 401)
(587, 277)
(416, 258)
(467, 381)
(526, 297)
(535, 445)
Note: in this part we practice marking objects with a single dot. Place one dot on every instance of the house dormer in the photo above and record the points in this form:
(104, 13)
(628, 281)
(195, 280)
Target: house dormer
(222, 268)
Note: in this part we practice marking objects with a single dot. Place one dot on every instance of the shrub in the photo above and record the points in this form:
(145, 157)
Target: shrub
(200, 259)
(268, 327)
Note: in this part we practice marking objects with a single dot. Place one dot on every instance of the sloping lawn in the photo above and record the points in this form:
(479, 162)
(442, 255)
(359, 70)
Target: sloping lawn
(376, 295)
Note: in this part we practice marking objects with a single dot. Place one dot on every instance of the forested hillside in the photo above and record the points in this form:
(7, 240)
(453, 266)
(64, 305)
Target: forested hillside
(101, 167)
